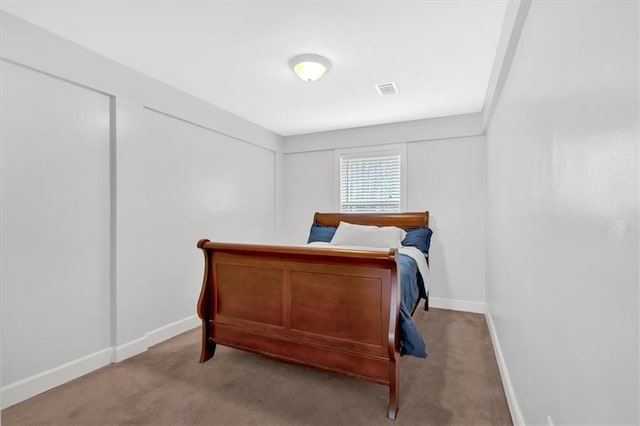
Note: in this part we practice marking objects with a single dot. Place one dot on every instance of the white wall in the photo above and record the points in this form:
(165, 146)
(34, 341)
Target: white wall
(562, 178)
(180, 183)
(54, 221)
(455, 126)
(308, 187)
(445, 176)
(109, 178)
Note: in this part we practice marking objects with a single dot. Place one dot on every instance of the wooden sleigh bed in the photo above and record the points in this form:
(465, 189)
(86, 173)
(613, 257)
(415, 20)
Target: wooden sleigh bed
(333, 309)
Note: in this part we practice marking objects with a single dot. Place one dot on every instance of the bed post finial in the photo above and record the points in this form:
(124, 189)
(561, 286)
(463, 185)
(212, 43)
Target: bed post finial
(202, 242)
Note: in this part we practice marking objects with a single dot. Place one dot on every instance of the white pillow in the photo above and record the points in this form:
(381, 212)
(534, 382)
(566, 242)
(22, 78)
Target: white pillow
(371, 236)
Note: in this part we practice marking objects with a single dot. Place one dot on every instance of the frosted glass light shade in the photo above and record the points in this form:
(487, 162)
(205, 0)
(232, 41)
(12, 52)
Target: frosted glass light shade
(309, 67)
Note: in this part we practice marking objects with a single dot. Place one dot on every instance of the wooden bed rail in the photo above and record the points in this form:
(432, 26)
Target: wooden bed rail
(401, 220)
(266, 249)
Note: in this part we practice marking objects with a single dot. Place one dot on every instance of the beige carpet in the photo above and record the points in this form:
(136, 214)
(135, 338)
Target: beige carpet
(458, 384)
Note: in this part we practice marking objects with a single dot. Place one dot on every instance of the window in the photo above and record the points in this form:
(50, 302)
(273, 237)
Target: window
(371, 181)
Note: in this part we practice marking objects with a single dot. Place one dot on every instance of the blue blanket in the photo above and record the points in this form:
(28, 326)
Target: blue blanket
(410, 284)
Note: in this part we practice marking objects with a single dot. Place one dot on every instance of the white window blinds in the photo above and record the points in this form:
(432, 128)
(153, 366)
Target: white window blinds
(370, 183)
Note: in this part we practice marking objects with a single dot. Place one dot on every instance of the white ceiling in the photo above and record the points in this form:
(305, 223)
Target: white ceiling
(235, 54)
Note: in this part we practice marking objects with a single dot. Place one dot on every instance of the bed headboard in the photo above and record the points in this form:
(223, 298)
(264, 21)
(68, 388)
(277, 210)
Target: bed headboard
(401, 220)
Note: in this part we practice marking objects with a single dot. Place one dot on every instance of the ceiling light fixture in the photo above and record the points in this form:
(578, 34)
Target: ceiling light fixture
(309, 67)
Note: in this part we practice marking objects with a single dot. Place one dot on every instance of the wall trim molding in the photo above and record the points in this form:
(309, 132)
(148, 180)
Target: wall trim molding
(36, 48)
(41, 382)
(457, 305)
(129, 349)
(153, 337)
(171, 330)
(512, 25)
(512, 401)
(49, 379)
(209, 128)
(449, 127)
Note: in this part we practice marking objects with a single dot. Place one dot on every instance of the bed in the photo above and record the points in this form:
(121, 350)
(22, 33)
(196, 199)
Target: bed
(333, 308)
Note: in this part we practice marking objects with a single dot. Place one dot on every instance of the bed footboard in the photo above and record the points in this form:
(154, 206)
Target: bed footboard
(337, 310)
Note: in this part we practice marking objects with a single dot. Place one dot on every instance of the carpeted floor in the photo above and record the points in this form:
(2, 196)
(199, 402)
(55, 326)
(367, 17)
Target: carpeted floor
(458, 384)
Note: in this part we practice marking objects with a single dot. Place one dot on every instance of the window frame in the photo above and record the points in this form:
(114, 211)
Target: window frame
(372, 151)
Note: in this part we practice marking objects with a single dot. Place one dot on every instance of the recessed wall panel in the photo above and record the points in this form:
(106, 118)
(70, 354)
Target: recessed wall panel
(54, 222)
(180, 182)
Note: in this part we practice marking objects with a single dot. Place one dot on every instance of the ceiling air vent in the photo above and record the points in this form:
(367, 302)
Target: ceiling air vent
(388, 88)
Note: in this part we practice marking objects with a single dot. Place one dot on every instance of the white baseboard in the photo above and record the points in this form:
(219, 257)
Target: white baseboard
(154, 337)
(41, 382)
(457, 305)
(129, 349)
(512, 401)
(171, 330)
